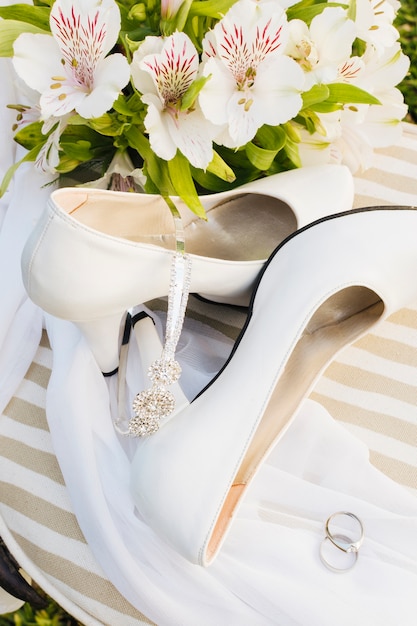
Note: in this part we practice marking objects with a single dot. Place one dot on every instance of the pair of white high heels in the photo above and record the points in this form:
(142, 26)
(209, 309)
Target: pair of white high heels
(95, 254)
(322, 288)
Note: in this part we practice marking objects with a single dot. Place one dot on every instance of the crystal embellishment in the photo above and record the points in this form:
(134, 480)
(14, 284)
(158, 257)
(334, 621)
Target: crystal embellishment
(164, 372)
(150, 407)
(155, 404)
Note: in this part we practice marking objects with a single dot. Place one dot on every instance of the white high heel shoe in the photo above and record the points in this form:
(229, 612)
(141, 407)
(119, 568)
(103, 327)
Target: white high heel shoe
(323, 288)
(94, 253)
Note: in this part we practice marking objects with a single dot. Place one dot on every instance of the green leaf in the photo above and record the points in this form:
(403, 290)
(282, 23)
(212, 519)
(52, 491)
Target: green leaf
(30, 156)
(10, 31)
(271, 137)
(79, 150)
(220, 168)
(343, 93)
(325, 107)
(30, 136)
(310, 120)
(292, 133)
(352, 10)
(316, 94)
(210, 8)
(260, 157)
(106, 125)
(192, 92)
(291, 150)
(306, 11)
(180, 173)
(36, 16)
(130, 106)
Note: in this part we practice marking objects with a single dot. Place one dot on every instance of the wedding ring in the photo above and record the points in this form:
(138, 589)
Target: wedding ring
(352, 556)
(344, 543)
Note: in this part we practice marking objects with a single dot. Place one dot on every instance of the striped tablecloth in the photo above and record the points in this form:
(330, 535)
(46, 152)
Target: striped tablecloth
(371, 388)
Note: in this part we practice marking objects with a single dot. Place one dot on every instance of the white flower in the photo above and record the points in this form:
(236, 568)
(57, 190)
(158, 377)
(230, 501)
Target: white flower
(351, 134)
(70, 69)
(382, 71)
(48, 157)
(374, 22)
(122, 168)
(251, 82)
(169, 8)
(324, 46)
(163, 70)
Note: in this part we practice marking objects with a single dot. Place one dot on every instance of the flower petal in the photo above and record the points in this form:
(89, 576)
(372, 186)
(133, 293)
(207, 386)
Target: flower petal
(280, 98)
(333, 34)
(156, 125)
(141, 79)
(91, 24)
(174, 68)
(111, 76)
(192, 134)
(217, 91)
(37, 58)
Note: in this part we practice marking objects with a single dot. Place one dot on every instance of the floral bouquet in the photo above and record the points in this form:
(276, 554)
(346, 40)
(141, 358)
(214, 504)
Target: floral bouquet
(198, 96)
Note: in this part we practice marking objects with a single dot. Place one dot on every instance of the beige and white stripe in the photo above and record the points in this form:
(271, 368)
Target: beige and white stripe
(371, 388)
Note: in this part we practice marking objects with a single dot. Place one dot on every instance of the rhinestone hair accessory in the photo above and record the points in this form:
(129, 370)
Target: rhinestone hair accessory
(156, 403)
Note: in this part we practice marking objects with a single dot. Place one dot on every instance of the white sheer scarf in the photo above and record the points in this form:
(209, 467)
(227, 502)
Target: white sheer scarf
(269, 571)
(20, 320)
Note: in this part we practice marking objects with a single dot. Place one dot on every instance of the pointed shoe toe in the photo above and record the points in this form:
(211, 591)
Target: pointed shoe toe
(322, 289)
(94, 253)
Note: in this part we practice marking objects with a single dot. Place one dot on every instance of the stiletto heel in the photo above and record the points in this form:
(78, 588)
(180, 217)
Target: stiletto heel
(95, 252)
(103, 338)
(322, 289)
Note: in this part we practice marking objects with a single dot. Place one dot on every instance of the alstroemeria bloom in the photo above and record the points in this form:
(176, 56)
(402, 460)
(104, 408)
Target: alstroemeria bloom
(379, 125)
(70, 69)
(48, 157)
(163, 70)
(169, 8)
(381, 71)
(321, 48)
(374, 22)
(252, 82)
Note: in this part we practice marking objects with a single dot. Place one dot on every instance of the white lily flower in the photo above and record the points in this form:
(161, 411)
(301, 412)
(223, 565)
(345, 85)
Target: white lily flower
(382, 71)
(70, 69)
(323, 47)
(379, 123)
(354, 132)
(365, 128)
(252, 82)
(48, 157)
(374, 22)
(163, 70)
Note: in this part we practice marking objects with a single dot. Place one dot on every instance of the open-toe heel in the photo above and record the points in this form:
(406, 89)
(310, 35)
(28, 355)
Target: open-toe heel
(322, 289)
(95, 252)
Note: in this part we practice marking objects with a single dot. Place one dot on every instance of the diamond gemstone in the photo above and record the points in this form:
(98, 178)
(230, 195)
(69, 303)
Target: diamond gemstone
(164, 372)
(142, 427)
(149, 407)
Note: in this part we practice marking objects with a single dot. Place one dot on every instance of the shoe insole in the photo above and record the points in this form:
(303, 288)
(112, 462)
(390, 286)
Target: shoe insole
(243, 228)
(339, 321)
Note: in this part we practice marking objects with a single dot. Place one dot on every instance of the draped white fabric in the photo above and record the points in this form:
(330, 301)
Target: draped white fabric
(268, 571)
